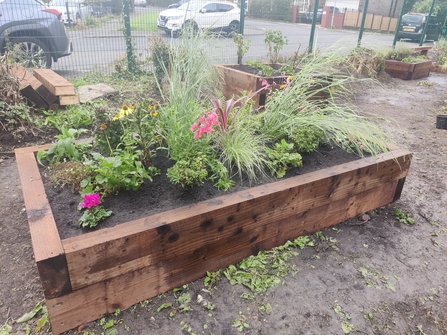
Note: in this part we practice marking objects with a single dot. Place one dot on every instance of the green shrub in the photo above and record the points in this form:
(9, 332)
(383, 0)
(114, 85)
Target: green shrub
(280, 10)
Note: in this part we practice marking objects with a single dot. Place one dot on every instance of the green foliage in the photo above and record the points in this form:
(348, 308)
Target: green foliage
(189, 79)
(160, 55)
(39, 309)
(219, 174)
(297, 106)
(122, 170)
(242, 46)
(275, 41)
(307, 139)
(282, 156)
(65, 147)
(414, 59)
(240, 323)
(92, 216)
(399, 52)
(212, 279)
(77, 116)
(271, 9)
(190, 171)
(264, 69)
(403, 217)
(16, 115)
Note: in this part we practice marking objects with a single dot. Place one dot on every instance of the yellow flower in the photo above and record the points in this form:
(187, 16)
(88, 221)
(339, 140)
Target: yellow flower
(290, 78)
(154, 113)
(283, 86)
(117, 116)
(125, 107)
(132, 106)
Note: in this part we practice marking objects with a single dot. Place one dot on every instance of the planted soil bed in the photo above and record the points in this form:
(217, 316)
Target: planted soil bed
(161, 195)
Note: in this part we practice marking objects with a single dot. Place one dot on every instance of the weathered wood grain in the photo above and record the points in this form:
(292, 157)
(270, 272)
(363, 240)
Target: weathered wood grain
(48, 251)
(55, 83)
(87, 276)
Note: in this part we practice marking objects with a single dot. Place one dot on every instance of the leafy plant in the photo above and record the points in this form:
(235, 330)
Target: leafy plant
(398, 52)
(414, 59)
(242, 46)
(94, 213)
(66, 147)
(264, 69)
(275, 41)
(123, 170)
(282, 156)
(212, 279)
(307, 139)
(366, 62)
(160, 55)
(403, 217)
(189, 172)
(39, 309)
(240, 323)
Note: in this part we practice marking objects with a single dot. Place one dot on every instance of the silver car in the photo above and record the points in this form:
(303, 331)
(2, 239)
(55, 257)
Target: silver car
(36, 29)
(77, 10)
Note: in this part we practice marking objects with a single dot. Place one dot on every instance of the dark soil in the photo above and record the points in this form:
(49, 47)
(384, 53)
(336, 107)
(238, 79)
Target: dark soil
(372, 275)
(161, 195)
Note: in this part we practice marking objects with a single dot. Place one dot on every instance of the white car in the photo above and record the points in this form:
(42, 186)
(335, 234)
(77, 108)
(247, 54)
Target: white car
(142, 3)
(213, 15)
(77, 10)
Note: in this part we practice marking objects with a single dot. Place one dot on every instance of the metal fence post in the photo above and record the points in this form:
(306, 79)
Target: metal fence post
(426, 23)
(362, 25)
(398, 22)
(312, 30)
(242, 18)
(131, 64)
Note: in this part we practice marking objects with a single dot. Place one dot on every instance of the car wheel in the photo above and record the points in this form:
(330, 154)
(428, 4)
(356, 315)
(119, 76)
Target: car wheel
(190, 27)
(233, 28)
(33, 53)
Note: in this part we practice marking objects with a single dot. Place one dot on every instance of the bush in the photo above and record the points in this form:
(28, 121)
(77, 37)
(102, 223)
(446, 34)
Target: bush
(271, 9)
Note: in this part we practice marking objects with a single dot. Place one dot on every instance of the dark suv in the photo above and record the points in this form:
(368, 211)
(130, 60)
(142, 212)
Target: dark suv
(412, 27)
(36, 28)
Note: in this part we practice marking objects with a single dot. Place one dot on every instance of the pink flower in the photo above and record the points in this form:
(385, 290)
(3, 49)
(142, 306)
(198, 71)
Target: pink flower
(90, 200)
(205, 125)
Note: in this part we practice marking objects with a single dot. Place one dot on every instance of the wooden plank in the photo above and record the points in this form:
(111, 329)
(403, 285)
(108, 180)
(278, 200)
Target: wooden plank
(154, 278)
(100, 255)
(32, 88)
(55, 83)
(65, 100)
(48, 251)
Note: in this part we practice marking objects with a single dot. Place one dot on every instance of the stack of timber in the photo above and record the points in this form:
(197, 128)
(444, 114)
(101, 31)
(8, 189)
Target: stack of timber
(32, 88)
(58, 85)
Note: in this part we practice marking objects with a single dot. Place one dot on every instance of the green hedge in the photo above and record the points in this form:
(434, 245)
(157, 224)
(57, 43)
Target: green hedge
(280, 10)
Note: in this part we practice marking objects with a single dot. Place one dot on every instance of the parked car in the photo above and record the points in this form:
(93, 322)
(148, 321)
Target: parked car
(178, 4)
(77, 10)
(308, 16)
(142, 3)
(213, 15)
(36, 29)
(412, 27)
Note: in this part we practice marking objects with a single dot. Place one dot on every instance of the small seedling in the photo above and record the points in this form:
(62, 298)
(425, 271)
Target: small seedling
(240, 323)
(403, 217)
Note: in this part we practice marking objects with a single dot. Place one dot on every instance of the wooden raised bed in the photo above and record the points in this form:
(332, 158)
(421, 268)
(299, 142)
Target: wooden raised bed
(237, 81)
(408, 71)
(88, 276)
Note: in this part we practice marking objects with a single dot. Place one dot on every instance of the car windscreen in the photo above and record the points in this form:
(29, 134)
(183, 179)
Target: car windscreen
(192, 6)
(417, 19)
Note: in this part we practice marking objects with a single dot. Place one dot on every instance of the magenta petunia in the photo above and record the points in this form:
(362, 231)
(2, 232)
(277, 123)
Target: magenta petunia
(90, 200)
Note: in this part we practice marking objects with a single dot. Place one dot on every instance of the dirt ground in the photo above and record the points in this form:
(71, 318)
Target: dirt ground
(370, 275)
